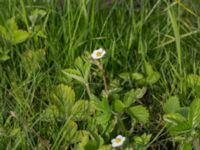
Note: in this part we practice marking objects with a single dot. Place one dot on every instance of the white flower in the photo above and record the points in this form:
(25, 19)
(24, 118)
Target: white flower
(118, 141)
(99, 53)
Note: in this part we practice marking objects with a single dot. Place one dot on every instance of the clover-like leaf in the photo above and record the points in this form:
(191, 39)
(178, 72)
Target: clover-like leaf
(74, 74)
(137, 76)
(133, 95)
(63, 97)
(70, 130)
(19, 36)
(103, 118)
(171, 105)
(174, 119)
(118, 105)
(140, 113)
(81, 110)
(50, 113)
(153, 78)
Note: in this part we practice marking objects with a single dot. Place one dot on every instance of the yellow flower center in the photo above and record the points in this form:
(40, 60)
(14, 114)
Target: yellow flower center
(98, 54)
(117, 140)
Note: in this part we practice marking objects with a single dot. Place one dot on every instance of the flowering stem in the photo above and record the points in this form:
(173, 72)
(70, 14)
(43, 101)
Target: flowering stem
(105, 83)
(100, 66)
(104, 79)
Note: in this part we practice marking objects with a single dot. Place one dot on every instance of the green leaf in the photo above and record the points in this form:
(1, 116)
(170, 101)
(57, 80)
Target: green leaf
(137, 76)
(70, 130)
(174, 118)
(194, 113)
(86, 71)
(41, 33)
(130, 98)
(20, 36)
(103, 118)
(138, 139)
(91, 145)
(4, 57)
(11, 25)
(172, 105)
(153, 77)
(193, 80)
(81, 110)
(133, 95)
(96, 104)
(78, 63)
(111, 126)
(50, 113)
(72, 73)
(184, 111)
(196, 90)
(118, 105)
(105, 105)
(181, 127)
(81, 138)
(78, 147)
(148, 68)
(146, 138)
(140, 92)
(35, 14)
(3, 32)
(186, 146)
(124, 75)
(32, 60)
(140, 113)
(63, 97)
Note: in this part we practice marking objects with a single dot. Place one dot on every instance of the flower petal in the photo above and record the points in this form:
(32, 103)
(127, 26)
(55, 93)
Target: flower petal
(95, 53)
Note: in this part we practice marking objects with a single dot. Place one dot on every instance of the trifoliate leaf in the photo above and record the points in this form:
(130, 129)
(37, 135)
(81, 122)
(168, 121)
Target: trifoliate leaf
(180, 127)
(140, 113)
(70, 130)
(137, 76)
(20, 36)
(81, 110)
(153, 78)
(11, 25)
(50, 113)
(103, 118)
(118, 105)
(63, 97)
(124, 75)
(130, 98)
(133, 95)
(74, 74)
(140, 92)
(174, 118)
(171, 105)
